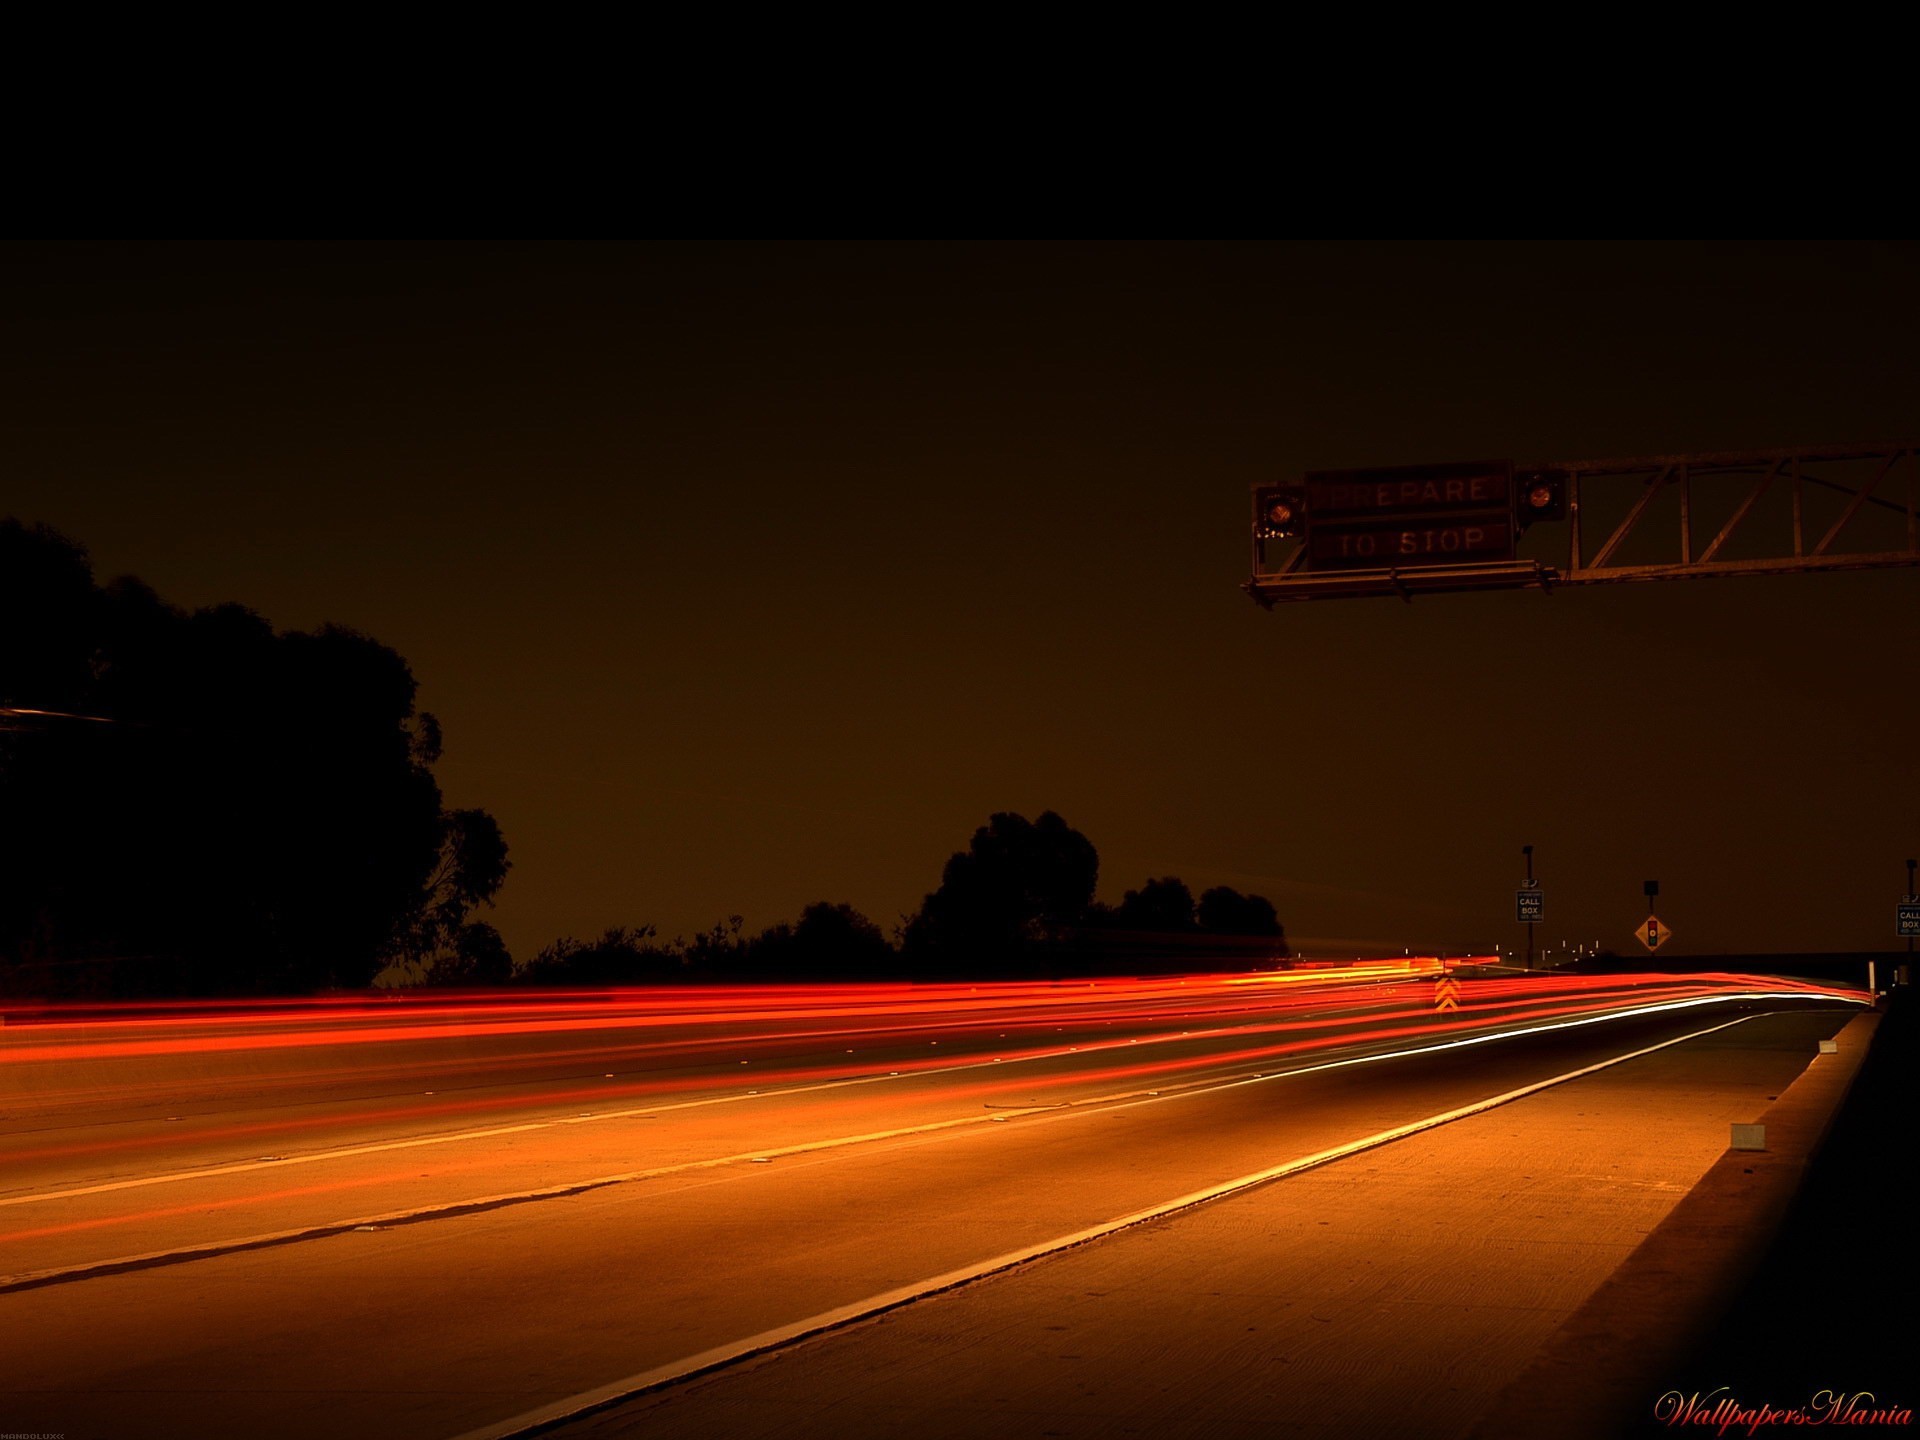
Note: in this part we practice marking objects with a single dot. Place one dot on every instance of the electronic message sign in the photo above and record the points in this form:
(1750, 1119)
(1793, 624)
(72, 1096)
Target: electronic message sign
(1409, 516)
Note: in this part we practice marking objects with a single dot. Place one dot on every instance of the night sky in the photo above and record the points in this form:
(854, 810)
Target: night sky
(743, 576)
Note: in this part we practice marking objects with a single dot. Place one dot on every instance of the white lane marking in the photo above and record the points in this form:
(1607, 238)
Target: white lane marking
(606, 1396)
(241, 1167)
(567, 1189)
(382, 1147)
(35, 1278)
(168, 1177)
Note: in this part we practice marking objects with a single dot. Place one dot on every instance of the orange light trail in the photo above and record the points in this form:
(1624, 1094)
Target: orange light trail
(647, 1031)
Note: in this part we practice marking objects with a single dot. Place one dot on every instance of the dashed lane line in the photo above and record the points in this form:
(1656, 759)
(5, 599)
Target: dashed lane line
(605, 1397)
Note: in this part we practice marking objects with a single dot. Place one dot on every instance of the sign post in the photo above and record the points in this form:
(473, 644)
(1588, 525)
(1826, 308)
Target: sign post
(1528, 902)
(1652, 933)
(1906, 923)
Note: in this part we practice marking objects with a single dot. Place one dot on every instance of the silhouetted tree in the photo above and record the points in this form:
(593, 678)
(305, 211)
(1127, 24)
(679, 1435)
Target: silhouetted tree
(621, 956)
(1004, 901)
(717, 953)
(830, 942)
(1165, 906)
(49, 614)
(476, 956)
(1225, 911)
(239, 810)
(471, 867)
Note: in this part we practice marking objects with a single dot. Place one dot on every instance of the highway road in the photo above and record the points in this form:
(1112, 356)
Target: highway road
(442, 1215)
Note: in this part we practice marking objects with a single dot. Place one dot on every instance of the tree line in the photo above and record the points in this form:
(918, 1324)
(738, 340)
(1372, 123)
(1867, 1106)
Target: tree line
(192, 802)
(1016, 903)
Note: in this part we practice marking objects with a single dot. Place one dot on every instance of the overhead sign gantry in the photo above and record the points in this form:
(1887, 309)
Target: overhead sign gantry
(1496, 525)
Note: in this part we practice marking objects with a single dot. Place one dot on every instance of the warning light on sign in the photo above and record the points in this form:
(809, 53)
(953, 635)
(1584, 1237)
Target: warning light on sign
(1539, 497)
(1282, 512)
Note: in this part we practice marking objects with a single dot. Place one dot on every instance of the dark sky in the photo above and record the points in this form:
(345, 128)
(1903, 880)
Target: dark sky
(743, 576)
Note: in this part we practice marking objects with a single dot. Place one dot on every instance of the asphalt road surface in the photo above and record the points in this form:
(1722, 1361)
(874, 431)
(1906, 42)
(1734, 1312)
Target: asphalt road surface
(421, 1221)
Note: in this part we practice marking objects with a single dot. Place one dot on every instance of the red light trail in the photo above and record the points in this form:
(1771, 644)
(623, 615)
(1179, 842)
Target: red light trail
(677, 1043)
